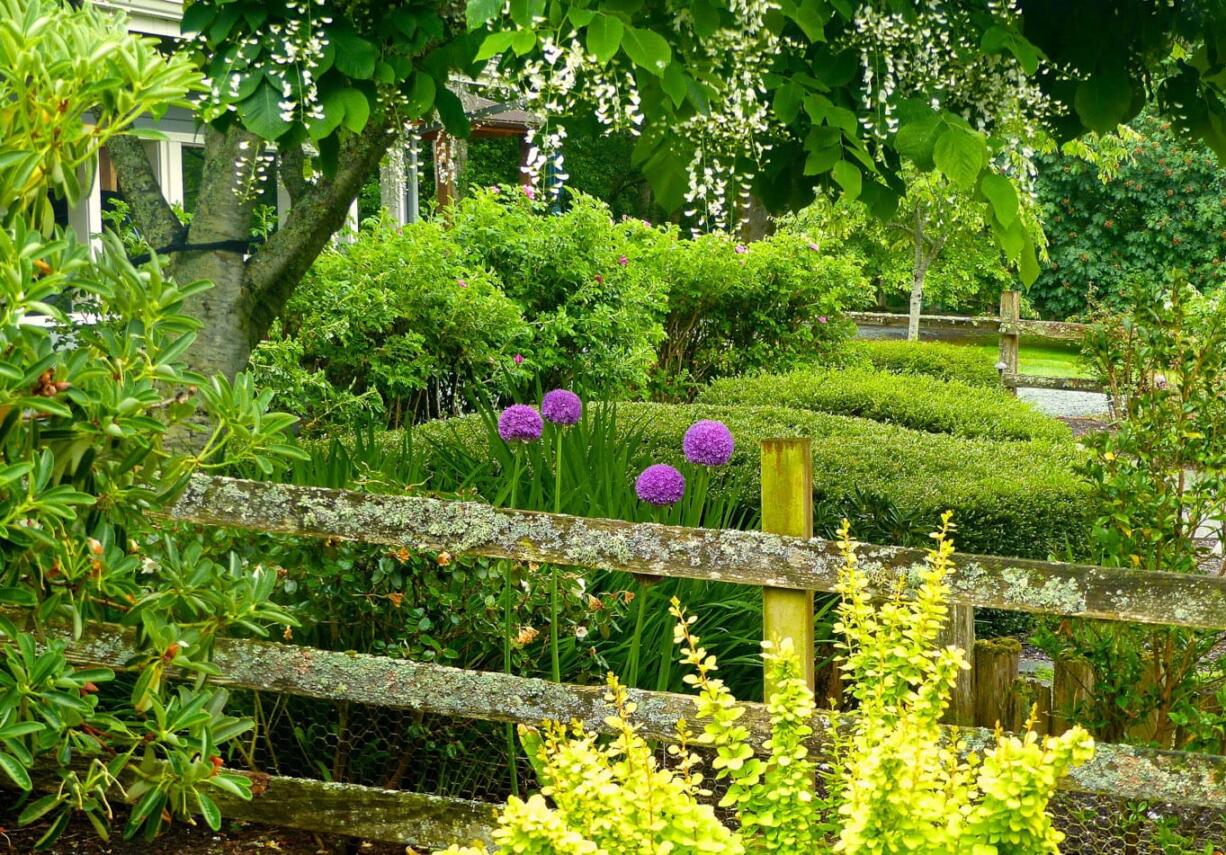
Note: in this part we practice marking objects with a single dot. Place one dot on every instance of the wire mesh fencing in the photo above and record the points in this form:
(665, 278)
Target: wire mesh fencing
(412, 751)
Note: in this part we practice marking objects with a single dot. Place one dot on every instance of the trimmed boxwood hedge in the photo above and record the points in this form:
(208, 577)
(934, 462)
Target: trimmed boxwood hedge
(937, 359)
(921, 403)
(1009, 498)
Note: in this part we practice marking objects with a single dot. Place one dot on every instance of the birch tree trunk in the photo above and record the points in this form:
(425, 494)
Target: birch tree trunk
(919, 270)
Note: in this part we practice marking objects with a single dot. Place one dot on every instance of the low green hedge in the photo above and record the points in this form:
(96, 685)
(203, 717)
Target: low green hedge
(920, 403)
(1009, 498)
(937, 359)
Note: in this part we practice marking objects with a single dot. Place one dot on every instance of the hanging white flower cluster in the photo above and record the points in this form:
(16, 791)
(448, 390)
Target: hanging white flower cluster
(287, 53)
(565, 78)
(544, 161)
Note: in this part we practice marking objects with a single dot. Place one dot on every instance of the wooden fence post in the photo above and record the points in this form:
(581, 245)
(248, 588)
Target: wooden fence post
(1072, 684)
(995, 664)
(1010, 341)
(959, 632)
(787, 508)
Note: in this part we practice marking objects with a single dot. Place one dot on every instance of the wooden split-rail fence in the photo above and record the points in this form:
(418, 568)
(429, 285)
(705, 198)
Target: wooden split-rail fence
(785, 560)
(1010, 327)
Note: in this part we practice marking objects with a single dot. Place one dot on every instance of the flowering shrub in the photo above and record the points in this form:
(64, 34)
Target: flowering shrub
(895, 784)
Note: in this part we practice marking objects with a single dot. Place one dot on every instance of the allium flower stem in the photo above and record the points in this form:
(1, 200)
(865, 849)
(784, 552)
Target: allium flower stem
(554, 655)
(636, 640)
(508, 622)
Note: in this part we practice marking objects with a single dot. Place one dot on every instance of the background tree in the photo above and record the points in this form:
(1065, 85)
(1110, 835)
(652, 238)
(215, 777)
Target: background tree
(726, 96)
(1162, 208)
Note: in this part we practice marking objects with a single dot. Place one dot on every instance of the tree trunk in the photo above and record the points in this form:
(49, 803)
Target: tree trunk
(249, 288)
(918, 271)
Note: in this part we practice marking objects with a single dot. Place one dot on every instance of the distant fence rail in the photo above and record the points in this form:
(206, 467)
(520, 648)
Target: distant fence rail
(1010, 327)
(791, 567)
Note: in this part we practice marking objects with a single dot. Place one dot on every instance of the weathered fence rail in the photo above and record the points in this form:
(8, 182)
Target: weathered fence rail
(789, 567)
(743, 557)
(1009, 325)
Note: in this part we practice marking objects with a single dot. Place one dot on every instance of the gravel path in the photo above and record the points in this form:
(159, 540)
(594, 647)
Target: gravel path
(1055, 402)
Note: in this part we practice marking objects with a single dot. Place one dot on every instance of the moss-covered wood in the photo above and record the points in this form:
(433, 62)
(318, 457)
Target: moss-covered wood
(1066, 384)
(745, 557)
(961, 322)
(397, 816)
(1118, 771)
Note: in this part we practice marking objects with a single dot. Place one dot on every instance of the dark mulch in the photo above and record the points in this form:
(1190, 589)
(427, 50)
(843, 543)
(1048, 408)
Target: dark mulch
(1081, 425)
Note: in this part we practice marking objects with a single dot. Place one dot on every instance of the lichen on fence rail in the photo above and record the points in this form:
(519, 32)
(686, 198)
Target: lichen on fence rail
(744, 557)
(1117, 771)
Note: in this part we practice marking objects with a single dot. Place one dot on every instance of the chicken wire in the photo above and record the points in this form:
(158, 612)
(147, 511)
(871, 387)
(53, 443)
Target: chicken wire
(406, 750)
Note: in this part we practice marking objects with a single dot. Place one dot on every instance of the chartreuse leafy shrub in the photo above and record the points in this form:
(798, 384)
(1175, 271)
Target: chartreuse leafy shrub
(740, 308)
(920, 403)
(1018, 498)
(937, 359)
(88, 449)
(894, 784)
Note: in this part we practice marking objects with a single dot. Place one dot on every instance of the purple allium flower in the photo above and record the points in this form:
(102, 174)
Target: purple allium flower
(518, 359)
(623, 261)
(660, 485)
(741, 249)
(562, 407)
(708, 442)
(520, 423)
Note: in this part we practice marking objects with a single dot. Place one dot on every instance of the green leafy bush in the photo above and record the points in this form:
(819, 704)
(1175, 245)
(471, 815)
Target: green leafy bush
(595, 321)
(937, 359)
(920, 403)
(411, 323)
(1159, 209)
(735, 308)
(893, 784)
(1012, 498)
(402, 314)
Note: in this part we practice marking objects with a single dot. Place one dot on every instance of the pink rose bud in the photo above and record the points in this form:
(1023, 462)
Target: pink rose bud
(623, 261)
(599, 279)
(529, 191)
(814, 246)
(461, 283)
(822, 319)
(741, 249)
(518, 359)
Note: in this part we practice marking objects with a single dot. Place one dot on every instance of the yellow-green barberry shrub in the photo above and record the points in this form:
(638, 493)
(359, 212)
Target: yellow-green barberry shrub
(896, 783)
(901, 784)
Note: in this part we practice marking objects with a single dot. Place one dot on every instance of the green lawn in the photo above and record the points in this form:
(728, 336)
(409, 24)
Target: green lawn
(1040, 356)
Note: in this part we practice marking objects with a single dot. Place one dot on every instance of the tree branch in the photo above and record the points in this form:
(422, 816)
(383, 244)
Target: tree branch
(154, 217)
(274, 272)
(290, 170)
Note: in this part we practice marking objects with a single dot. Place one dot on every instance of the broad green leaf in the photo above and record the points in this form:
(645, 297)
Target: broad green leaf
(604, 36)
(1103, 101)
(18, 597)
(849, 178)
(647, 49)
(357, 109)
(261, 113)
(1001, 195)
(421, 95)
(960, 154)
(917, 139)
(675, 83)
(477, 12)
(208, 810)
(355, 56)
(494, 44)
